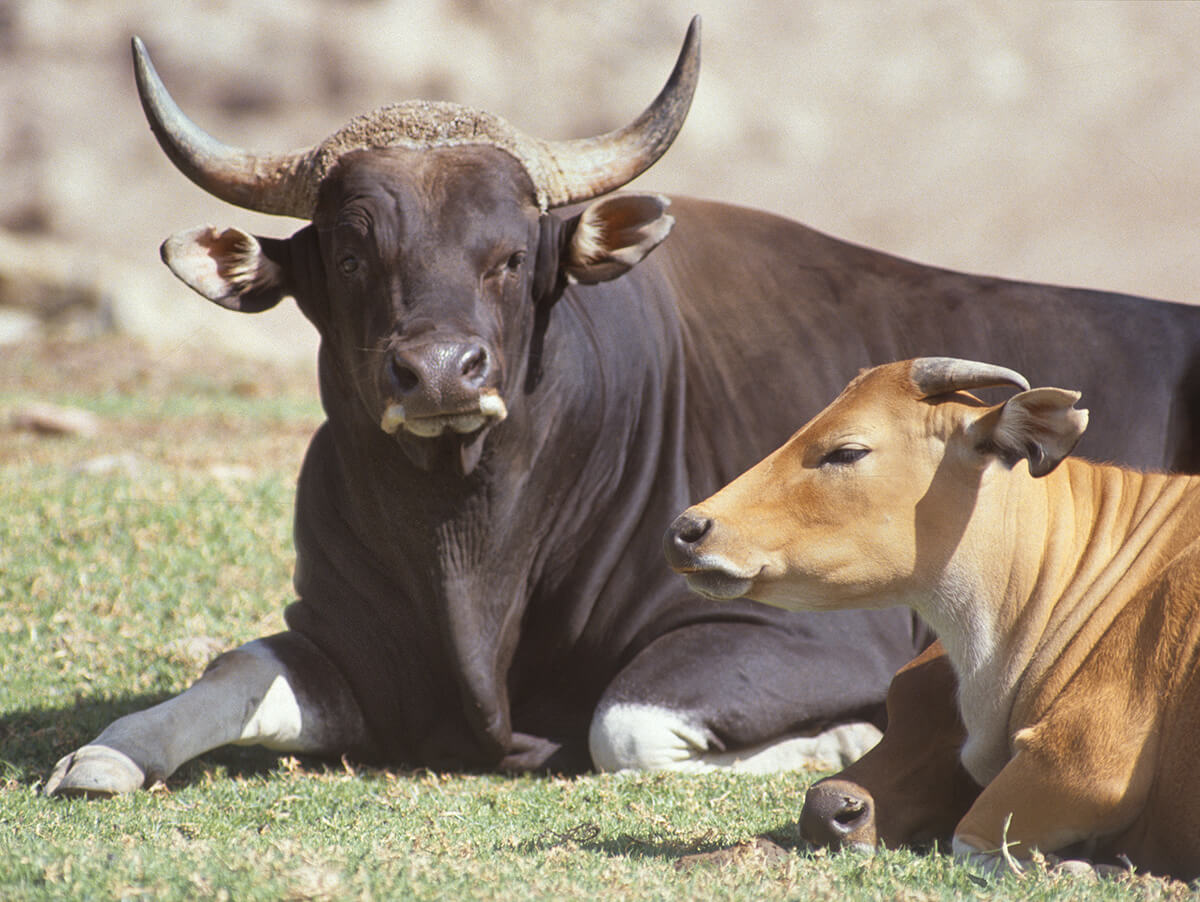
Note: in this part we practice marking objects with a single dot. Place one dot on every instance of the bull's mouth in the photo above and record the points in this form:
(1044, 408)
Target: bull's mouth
(470, 425)
(491, 410)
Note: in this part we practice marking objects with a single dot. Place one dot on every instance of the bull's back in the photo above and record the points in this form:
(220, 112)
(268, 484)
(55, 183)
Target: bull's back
(776, 318)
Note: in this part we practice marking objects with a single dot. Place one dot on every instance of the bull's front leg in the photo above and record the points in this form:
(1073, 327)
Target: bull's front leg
(753, 697)
(280, 692)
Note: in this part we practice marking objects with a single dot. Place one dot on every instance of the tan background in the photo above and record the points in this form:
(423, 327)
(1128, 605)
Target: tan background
(1049, 141)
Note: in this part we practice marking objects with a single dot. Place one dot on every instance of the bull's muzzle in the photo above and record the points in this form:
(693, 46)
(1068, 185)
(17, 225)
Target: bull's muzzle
(441, 386)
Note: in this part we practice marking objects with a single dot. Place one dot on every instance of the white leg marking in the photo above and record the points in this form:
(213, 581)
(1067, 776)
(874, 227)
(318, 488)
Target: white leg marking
(277, 721)
(648, 737)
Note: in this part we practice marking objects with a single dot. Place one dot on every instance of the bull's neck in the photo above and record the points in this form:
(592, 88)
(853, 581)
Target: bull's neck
(1043, 568)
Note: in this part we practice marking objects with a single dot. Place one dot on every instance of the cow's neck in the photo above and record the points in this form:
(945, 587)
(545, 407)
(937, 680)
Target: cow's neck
(1040, 574)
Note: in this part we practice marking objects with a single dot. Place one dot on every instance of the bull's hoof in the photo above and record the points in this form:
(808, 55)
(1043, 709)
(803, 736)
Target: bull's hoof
(95, 772)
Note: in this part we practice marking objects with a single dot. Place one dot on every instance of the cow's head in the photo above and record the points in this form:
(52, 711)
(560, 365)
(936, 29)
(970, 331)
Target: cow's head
(867, 503)
(433, 257)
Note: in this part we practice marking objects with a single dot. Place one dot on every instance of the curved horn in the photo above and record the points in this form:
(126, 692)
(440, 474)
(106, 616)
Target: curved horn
(562, 172)
(584, 168)
(268, 183)
(938, 375)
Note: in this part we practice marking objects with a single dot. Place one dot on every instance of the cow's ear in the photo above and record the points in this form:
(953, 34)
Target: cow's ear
(1043, 426)
(614, 234)
(231, 267)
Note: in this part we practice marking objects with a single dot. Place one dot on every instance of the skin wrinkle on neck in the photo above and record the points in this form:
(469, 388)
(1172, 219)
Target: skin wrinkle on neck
(1078, 580)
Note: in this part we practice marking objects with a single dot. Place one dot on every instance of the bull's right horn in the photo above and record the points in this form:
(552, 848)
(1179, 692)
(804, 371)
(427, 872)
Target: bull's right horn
(939, 375)
(269, 183)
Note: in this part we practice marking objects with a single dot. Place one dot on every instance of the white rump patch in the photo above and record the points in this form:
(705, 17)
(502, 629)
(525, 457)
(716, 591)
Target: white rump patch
(627, 737)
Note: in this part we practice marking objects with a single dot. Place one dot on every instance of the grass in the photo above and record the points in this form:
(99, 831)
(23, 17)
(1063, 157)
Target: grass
(116, 586)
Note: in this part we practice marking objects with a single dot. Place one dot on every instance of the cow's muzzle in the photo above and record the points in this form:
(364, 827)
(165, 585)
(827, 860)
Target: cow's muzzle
(707, 574)
(441, 386)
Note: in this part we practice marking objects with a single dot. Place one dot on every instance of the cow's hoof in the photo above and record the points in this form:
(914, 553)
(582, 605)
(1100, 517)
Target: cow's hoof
(95, 771)
(1078, 869)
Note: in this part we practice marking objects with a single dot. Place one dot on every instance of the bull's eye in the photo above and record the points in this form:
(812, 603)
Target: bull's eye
(844, 456)
(348, 265)
(515, 261)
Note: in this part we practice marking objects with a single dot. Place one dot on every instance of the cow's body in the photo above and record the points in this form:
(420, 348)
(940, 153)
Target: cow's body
(1067, 597)
(497, 598)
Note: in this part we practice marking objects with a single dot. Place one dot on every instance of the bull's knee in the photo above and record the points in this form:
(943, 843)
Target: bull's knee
(629, 736)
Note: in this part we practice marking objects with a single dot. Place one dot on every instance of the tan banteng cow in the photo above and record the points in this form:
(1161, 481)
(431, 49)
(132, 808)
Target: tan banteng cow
(1066, 596)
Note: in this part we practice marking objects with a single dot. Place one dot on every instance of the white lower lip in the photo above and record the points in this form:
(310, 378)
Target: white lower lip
(491, 407)
(431, 427)
(718, 586)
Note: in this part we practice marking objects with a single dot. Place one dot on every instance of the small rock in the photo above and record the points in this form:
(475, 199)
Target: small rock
(49, 419)
(17, 326)
(1078, 869)
(231, 472)
(128, 463)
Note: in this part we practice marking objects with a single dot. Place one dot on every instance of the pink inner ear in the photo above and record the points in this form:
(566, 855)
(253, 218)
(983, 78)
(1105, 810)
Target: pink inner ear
(624, 218)
(218, 265)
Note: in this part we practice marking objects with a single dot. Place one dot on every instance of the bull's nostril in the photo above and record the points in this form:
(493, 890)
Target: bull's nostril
(404, 377)
(475, 364)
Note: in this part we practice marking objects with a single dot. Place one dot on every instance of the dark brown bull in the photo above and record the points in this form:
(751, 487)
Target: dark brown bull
(518, 401)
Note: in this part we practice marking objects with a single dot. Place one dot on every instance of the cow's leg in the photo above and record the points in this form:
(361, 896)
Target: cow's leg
(280, 692)
(752, 696)
(1050, 801)
(910, 788)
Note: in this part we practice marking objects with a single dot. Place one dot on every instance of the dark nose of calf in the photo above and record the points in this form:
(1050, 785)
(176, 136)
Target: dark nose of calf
(447, 373)
(838, 813)
(683, 539)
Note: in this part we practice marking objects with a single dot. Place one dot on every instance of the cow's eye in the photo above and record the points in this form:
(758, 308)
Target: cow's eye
(515, 261)
(844, 456)
(348, 264)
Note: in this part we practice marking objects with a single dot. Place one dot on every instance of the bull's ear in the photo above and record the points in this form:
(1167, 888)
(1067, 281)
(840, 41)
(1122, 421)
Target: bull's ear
(614, 234)
(1042, 426)
(229, 268)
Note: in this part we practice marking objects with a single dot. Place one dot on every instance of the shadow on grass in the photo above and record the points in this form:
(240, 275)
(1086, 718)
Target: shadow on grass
(671, 848)
(32, 740)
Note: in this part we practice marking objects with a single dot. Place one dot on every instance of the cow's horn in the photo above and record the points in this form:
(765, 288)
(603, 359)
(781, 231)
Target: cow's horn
(938, 375)
(269, 183)
(584, 168)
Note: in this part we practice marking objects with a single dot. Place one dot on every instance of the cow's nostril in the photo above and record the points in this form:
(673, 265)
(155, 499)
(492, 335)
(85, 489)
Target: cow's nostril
(838, 813)
(851, 812)
(690, 530)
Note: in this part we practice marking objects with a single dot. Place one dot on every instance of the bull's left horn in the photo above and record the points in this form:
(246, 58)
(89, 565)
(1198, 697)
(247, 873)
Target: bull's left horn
(583, 168)
(938, 375)
(268, 183)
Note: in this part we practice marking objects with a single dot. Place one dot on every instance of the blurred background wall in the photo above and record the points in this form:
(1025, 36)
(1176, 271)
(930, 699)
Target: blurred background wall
(1051, 141)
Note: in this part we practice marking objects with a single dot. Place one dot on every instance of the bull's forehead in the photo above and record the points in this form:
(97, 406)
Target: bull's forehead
(448, 194)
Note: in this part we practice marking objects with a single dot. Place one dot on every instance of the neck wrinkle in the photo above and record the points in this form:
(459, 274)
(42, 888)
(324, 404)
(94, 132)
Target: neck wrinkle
(1119, 534)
